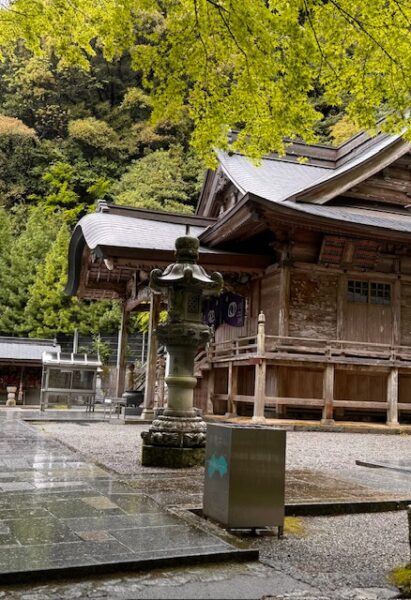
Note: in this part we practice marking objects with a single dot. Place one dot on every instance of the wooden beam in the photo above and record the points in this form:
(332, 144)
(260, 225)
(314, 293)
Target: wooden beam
(360, 404)
(295, 401)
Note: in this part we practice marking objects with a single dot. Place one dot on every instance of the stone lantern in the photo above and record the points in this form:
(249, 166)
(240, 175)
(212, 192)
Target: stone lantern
(177, 437)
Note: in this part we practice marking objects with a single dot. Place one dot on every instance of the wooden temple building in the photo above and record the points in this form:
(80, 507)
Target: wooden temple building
(319, 249)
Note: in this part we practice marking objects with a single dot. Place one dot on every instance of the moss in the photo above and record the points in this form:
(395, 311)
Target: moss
(294, 526)
(401, 577)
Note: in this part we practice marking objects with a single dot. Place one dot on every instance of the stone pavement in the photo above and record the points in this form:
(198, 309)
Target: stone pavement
(61, 515)
(340, 558)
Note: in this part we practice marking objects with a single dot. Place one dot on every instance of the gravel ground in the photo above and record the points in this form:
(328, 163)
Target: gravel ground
(118, 446)
(340, 557)
(342, 552)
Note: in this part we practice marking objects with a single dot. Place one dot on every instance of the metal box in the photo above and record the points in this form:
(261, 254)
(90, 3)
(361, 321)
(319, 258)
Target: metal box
(244, 476)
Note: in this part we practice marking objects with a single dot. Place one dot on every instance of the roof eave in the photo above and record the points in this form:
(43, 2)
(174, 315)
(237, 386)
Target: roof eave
(324, 191)
(75, 253)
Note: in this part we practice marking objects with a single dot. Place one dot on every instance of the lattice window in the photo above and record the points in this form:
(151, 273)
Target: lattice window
(380, 293)
(368, 292)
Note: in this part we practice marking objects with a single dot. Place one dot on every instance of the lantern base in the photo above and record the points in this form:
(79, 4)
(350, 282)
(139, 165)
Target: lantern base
(172, 458)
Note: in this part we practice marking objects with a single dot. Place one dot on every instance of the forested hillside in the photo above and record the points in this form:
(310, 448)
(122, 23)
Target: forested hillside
(67, 138)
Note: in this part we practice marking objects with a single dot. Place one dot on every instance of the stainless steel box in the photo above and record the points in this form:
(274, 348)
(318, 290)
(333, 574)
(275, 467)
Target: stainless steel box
(245, 476)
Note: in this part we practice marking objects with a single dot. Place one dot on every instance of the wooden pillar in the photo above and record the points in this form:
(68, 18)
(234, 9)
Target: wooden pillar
(260, 372)
(341, 302)
(210, 377)
(392, 397)
(232, 390)
(328, 394)
(210, 392)
(396, 313)
(280, 409)
(151, 364)
(122, 351)
(283, 316)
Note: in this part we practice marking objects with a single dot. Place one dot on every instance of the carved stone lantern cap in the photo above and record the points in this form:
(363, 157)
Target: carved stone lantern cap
(185, 272)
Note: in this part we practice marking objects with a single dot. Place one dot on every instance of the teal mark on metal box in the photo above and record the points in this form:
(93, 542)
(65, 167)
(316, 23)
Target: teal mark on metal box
(217, 464)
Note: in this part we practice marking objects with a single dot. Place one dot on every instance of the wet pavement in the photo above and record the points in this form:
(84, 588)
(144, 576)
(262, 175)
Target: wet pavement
(340, 557)
(61, 514)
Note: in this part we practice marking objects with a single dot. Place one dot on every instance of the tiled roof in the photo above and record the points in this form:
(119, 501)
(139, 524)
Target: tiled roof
(105, 229)
(280, 179)
(398, 221)
(20, 349)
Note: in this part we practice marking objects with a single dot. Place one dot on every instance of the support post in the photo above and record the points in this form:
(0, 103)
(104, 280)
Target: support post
(121, 351)
(284, 301)
(392, 397)
(260, 373)
(280, 409)
(143, 348)
(210, 392)
(75, 341)
(396, 313)
(328, 395)
(232, 390)
(151, 364)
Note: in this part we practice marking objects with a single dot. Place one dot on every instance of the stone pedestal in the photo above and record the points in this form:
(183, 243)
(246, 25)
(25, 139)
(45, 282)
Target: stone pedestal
(11, 395)
(172, 458)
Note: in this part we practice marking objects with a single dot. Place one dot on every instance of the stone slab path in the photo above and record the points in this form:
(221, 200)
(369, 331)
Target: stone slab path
(62, 515)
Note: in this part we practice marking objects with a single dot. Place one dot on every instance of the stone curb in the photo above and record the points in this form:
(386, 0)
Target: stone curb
(124, 566)
(347, 508)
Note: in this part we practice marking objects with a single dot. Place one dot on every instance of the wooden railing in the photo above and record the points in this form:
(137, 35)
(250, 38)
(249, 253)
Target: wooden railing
(275, 345)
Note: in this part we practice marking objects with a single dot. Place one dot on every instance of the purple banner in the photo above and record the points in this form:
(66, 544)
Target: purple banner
(233, 309)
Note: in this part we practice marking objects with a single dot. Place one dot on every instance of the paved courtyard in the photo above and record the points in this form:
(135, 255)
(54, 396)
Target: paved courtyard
(346, 556)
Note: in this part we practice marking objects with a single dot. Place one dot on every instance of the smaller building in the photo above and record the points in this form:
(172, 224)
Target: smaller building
(70, 378)
(21, 367)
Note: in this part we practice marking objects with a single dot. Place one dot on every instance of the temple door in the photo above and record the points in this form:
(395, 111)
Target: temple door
(368, 312)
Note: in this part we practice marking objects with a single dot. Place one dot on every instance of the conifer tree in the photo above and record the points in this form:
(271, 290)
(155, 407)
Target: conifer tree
(18, 268)
(49, 311)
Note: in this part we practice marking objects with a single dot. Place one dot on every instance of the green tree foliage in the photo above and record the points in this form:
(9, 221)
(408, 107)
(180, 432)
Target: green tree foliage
(95, 135)
(17, 150)
(18, 268)
(67, 136)
(252, 64)
(166, 180)
(49, 311)
(343, 130)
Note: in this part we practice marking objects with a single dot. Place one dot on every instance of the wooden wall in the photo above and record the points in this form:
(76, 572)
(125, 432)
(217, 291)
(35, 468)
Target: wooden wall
(300, 382)
(270, 300)
(263, 295)
(360, 387)
(405, 317)
(313, 305)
